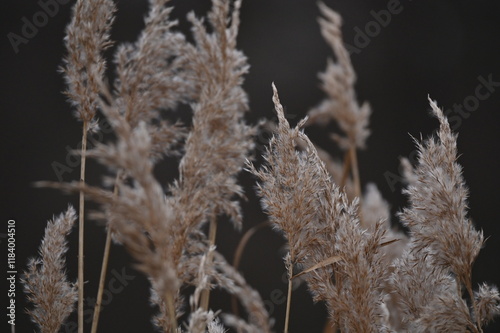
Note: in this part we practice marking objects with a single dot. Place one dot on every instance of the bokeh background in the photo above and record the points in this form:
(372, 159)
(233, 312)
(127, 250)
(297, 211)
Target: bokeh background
(437, 48)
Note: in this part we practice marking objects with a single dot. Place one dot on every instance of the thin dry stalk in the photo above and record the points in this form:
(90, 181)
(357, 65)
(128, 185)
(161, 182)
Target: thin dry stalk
(238, 254)
(346, 166)
(170, 300)
(81, 229)
(289, 266)
(104, 267)
(102, 280)
(355, 171)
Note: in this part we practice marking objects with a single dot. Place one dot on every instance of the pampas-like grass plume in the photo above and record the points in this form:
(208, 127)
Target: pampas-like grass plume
(319, 224)
(45, 282)
(444, 243)
(338, 83)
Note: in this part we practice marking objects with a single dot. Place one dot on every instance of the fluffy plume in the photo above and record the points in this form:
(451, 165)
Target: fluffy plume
(153, 74)
(227, 278)
(444, 243)
(87, 36)
(45, 280)
(199, 318)
(219, 140)
(338, 83)
(488, 303)
(376, 210)
(437, 216)
(320, 224)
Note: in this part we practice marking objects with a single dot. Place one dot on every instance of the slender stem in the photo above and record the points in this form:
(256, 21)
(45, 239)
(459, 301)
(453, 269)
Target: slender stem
(102, 279)
(81, 221)
(289, 296)
(355, 172)
(212, 233)
(239, 253)
(345, 169)
(169, 299)
(474, 306)
(356, 179)
(104, 268)
(244, 241)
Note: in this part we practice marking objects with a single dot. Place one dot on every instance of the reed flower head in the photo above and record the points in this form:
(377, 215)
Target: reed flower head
(45, 281)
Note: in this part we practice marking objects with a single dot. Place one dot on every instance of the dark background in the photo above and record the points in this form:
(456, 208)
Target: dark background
(439, 48)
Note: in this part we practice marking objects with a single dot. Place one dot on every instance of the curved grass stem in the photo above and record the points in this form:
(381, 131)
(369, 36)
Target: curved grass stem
(104, 268)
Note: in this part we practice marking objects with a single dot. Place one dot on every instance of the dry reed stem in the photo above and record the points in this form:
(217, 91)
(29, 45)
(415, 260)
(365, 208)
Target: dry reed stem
(468, 286)
(326, 262)
(238, 254)
(81, 229)
(355, 172)
(346, 166)
(169, 297)
(104, 268)
(102, 280)
(289, 266)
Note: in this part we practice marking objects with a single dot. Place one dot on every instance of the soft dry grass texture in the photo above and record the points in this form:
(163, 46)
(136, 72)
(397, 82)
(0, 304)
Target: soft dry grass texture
(371, 277)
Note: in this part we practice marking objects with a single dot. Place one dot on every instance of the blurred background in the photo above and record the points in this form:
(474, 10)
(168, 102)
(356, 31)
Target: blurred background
(447, 50)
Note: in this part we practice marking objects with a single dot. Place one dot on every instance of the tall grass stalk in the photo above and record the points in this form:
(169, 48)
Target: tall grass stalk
(81, 230)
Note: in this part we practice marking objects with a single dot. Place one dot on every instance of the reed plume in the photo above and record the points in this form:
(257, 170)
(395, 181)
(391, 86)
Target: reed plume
(45, 281)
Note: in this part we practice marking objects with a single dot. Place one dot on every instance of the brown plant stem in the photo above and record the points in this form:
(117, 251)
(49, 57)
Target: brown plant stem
(102, 279)
(345, 169)
(355, 171)
(81, 222)
(104, 269)
(169, 299)
(212, 233)
(288, 296)
(468, 285)
(239, 253)
(356, 180)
